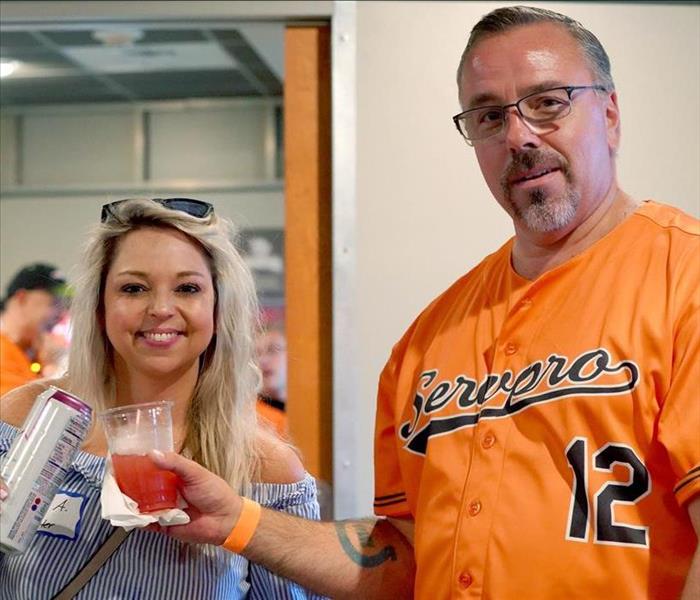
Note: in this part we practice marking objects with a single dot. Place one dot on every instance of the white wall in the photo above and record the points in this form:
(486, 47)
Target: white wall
(424, 215)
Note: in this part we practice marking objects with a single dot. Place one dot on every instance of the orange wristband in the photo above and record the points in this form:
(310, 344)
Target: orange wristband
(244, 528)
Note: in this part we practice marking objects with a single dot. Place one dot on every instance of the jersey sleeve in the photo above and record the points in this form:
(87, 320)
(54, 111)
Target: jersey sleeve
(680, 415)
(389, 488)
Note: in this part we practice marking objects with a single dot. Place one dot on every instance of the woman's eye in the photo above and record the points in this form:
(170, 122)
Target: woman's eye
(133, 288)
(188, 288)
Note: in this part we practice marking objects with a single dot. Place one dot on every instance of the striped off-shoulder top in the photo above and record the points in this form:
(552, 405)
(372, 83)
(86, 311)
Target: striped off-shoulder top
(148, 565)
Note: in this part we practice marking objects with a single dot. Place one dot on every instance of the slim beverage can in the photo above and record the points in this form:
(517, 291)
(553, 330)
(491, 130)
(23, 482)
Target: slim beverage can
(37, 463)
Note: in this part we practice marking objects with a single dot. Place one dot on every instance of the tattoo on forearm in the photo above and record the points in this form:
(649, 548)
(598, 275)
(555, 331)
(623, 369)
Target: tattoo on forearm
(364, 535)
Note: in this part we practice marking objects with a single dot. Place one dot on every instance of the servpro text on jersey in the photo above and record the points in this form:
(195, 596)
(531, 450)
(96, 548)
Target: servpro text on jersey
(500, 395)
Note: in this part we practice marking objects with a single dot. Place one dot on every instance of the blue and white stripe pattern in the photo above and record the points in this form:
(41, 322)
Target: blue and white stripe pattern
(148, 565)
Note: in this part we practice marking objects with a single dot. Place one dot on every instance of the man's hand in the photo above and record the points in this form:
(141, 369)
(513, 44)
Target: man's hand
(213, 506)
(366, 558)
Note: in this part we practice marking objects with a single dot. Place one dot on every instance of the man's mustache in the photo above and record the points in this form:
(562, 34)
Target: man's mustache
(530, 159)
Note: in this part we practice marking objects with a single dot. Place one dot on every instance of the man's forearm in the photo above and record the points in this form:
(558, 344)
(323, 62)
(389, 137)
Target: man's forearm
(346, 559)
(359, 559)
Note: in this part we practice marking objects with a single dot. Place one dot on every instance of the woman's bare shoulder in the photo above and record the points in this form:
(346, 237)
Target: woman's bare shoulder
(279, 461)
(16, 404)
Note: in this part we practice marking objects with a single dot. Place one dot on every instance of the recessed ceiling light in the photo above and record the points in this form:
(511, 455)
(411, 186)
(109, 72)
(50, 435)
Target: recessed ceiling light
(7, 67)
(117, 36)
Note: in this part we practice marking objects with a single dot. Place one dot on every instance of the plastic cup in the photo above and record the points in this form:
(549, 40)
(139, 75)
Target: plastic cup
(132, 432)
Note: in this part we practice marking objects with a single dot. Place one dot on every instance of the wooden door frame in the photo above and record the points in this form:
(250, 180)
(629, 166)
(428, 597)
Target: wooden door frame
(308, 244)
(329, 370)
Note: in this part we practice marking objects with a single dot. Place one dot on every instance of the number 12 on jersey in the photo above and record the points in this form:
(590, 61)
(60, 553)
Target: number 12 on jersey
(607, 531)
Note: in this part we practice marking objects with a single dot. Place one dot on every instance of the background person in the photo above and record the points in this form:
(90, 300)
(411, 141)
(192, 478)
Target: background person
(163, 310)
(32, 304)
(543, 411)
(271, 352)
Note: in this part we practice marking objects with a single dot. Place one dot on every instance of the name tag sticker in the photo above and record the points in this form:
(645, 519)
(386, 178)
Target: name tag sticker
(64, 516)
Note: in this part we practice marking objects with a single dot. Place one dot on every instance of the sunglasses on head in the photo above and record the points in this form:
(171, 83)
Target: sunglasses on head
(194, 208)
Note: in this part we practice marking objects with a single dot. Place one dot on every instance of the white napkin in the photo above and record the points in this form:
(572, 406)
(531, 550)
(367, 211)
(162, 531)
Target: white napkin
(122, 511)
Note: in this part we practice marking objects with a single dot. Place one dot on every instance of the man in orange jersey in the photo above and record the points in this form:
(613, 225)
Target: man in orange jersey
(271, 351)
(537, 425)
(30, 306)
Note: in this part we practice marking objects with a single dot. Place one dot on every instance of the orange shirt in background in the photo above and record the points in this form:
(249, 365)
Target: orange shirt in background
(15, 366)
(275, 418)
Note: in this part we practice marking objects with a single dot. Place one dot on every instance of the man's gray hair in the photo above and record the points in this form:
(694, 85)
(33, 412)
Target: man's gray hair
(504, 19)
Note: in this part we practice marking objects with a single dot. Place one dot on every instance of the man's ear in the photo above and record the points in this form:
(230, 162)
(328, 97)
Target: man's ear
(612, 120)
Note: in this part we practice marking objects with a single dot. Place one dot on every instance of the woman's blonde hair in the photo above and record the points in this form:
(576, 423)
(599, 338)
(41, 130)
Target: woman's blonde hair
(221, 419)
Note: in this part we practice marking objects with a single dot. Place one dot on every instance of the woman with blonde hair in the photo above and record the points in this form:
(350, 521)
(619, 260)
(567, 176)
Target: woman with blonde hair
(164, 309)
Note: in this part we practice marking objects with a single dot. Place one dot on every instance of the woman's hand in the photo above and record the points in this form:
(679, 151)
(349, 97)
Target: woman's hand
(213, 506)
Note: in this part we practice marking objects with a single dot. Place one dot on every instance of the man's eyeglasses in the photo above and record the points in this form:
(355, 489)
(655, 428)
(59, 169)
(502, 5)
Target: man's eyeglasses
(539, 108)
(271, 350)
(195, 208)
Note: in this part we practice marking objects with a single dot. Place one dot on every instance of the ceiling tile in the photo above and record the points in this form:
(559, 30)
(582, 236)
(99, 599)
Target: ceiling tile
(187, 84)
(163, 64)
(63, 90)
(17, 39)
(245, 54)
(155, 36)
(39, 56)
(152, 57)
(72, 38)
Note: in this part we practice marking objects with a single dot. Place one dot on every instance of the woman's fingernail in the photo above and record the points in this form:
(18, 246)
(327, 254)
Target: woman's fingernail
(3, 493)
(157, 454)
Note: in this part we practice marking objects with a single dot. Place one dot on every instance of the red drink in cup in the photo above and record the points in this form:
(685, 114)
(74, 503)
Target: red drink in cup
(137, 477)
(132, 432)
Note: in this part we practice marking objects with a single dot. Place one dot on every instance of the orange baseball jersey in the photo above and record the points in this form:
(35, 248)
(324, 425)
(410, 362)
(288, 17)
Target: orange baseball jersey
(15, 366)
(544, 434)
(275, 418)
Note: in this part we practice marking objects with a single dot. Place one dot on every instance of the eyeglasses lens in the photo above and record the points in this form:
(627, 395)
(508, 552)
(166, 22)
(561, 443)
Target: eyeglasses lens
(195, 208)
(545, 107)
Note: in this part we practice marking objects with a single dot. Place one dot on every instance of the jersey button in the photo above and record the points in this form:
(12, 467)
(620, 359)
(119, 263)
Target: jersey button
(488, 441)
(525, 303)
(465, 579)
(510, 348)
(474, 508)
